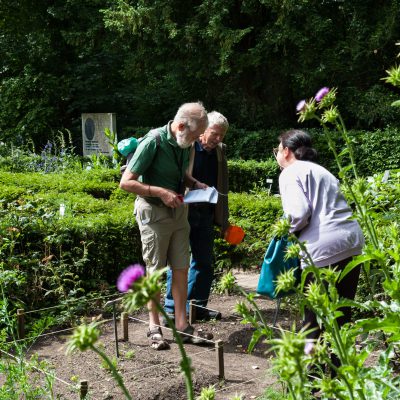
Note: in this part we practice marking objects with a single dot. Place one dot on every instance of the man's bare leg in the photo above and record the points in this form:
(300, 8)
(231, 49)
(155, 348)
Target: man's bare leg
(154, 334)
(154, 318)
(179, 293)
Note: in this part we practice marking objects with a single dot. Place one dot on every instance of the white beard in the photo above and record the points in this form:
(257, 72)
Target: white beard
(183, 141)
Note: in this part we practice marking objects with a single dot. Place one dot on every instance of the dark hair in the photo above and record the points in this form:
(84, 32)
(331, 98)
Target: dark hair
(299, 142)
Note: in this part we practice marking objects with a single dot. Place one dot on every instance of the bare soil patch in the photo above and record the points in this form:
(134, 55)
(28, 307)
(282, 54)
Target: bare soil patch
(150, 374)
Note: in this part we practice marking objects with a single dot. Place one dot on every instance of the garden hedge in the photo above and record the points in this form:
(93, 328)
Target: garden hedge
(375, 151)
(97, 236)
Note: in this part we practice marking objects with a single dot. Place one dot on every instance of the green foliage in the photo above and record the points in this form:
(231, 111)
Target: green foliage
(255, 214)
(106, 366)
(252, 315)
(21, 382)
(272, 394)
(130, 355)
(353, 376)
(112, 140)
(376, 151)
(207, 393)
(227, 283)
(59, 67)
(19, 372)
(126, 57)
(50, 258)
(250, 175)
(57, 155)
(250, 144)
(101, 183)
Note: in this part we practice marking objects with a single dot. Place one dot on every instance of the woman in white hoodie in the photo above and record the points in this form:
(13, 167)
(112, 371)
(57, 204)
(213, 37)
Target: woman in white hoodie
(319, 215)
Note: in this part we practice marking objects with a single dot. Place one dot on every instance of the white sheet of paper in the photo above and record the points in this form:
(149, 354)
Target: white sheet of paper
(209, 195)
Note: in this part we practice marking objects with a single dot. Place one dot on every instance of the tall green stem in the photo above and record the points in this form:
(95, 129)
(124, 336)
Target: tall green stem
(185, 363)
(369, 226)
(300, 371)
(346, 137)
(335, 332)
(113, 370)
(253, 303)
(367, 222)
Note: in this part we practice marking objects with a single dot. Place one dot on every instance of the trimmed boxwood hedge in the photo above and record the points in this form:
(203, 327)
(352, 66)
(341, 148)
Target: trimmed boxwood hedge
(98, 221)
(98, 236)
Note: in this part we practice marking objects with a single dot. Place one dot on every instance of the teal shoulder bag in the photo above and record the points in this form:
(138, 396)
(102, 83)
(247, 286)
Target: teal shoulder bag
(273, 265)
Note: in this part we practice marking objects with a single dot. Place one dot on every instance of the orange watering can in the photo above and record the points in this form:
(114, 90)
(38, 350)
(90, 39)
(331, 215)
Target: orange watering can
(234, 234)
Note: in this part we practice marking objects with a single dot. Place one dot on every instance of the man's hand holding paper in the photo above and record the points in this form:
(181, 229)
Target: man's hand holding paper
(209, 195)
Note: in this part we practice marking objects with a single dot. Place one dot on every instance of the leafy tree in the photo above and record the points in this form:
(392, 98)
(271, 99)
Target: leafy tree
(252, 60)
(57, 62)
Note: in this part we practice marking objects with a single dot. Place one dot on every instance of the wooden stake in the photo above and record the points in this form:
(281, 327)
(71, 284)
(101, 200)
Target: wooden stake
(84, 387)
(192, 312)
(21, 323)
(124, 326)
(115, 329)
(219, 349)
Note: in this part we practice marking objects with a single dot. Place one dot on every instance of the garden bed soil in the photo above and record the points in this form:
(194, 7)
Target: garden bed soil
(150, 374)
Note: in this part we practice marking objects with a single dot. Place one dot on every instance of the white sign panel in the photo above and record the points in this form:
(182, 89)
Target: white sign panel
(93, 137)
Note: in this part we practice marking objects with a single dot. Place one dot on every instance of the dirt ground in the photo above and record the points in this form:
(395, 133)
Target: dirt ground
(150, 374)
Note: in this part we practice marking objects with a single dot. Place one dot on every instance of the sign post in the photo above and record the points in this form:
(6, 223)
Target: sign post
(93, 137)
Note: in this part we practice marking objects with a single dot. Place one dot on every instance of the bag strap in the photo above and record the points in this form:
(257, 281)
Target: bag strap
(156, 134)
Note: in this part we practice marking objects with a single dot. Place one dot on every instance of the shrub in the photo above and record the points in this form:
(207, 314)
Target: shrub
(245, 176)
(251, 145)
(255, 213)
(375, 151)
(58, 257)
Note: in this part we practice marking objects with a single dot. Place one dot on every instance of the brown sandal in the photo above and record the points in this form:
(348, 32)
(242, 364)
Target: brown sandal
(157, 342)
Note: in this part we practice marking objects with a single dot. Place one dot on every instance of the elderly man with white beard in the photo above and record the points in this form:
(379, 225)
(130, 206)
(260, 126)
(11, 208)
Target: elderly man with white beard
(157, 175)
(208, 165)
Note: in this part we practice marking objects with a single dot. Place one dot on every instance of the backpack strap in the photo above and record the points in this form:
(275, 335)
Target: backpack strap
(156, 134)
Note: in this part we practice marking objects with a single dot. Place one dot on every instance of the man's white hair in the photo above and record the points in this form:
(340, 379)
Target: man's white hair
(190, 114)
(216, 118)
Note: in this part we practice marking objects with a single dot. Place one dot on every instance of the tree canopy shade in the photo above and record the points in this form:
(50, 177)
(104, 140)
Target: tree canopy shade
(251, 59)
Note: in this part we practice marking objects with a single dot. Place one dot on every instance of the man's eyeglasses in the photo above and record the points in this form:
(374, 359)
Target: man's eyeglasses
(275, 151)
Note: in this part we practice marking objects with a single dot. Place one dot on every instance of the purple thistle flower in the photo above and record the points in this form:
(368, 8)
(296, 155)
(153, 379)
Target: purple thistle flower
(128, 276)
(321, 94)
(300, 105)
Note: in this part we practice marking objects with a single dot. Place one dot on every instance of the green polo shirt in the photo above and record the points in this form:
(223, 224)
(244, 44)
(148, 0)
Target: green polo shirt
(162, 166)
